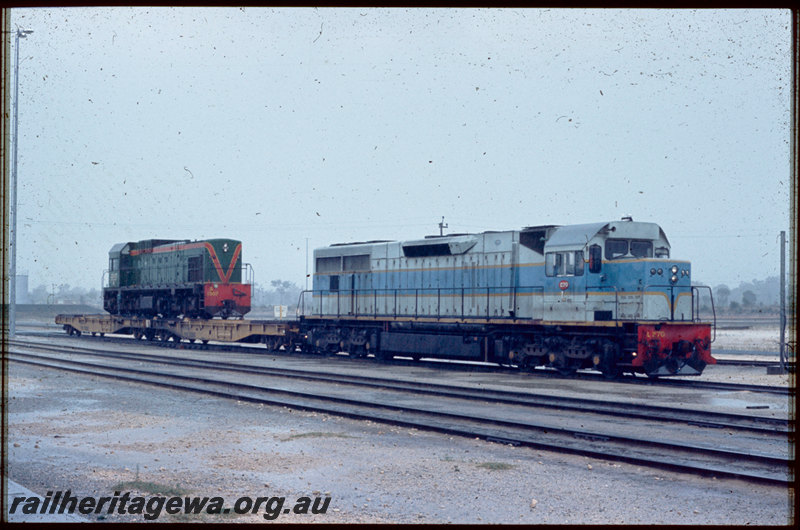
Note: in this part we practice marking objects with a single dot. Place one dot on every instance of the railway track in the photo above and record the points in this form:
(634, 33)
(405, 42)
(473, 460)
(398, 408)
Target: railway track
(790, 365)
(450, 365)
(466, 412)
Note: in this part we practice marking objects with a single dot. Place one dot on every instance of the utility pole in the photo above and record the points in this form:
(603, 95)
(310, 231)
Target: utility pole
(442, 226)
(306, 264)
(12, 303)
(783, 301)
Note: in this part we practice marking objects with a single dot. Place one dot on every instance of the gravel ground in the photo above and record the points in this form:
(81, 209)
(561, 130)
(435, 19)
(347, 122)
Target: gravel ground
(763, 338)
(88, 434)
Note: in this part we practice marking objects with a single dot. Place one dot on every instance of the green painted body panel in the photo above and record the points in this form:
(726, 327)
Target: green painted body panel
(160, 263)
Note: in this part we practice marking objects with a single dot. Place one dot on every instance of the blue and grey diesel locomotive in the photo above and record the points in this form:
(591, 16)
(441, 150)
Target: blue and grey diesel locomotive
(605, 295)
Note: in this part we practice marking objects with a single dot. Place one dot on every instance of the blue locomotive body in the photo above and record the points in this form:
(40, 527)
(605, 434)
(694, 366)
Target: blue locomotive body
(572, 297)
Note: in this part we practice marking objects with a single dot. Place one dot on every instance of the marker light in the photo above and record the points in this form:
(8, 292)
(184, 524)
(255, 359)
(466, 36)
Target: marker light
(652, 271)
(660, 272)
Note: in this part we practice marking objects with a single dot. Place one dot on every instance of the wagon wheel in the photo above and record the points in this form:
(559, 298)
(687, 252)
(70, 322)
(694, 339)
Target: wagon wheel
(383, 356)
(566, 367)
(358, 351)
(567, 371)
(528, 363)
(610, 370)
(608, 366)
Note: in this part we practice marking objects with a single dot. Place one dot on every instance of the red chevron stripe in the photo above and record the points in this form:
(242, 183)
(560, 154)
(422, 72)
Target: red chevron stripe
(224, 277)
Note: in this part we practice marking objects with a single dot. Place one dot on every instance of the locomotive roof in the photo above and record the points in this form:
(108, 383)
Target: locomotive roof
(576, 236)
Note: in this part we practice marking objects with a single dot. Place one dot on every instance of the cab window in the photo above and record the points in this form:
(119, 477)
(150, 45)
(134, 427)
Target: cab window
(564, 263)
(616, 248)
(642, 249)
(595, 259)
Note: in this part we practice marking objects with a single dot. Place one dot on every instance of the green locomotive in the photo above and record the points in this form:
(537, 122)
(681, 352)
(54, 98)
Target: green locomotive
(196, 279)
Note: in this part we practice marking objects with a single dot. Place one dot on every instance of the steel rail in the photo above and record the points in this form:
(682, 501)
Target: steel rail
(658, 413)
(769, 468)
(483, 367)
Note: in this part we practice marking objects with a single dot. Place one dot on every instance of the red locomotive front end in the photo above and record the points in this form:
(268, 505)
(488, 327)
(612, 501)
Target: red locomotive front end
(226, 299)
(673, 348)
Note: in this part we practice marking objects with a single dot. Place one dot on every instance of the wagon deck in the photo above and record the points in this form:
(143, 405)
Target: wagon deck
(248, 331)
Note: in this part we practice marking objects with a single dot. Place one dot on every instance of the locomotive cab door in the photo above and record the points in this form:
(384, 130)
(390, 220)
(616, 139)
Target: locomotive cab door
(599, 306)
(564, 285)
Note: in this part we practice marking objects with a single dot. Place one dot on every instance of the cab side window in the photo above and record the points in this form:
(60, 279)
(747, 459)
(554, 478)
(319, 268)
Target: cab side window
(579, 264)
(595, 258)
(563, 263)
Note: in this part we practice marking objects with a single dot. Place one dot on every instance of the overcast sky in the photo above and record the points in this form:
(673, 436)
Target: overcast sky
(274, 126)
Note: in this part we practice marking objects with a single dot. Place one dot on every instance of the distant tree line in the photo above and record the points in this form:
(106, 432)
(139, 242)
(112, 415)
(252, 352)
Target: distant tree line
(65, 294)
(756, 295)
(277, 292)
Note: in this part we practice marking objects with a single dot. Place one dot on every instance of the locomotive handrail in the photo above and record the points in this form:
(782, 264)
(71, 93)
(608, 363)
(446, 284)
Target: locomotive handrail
(360, 294)
(249, 275)
(696, 301)
(616, 297)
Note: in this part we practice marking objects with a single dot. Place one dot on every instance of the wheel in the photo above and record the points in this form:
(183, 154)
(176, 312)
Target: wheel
(563, 365)
(566, 371)
(611, 372)
(528, 363)
(358, 351)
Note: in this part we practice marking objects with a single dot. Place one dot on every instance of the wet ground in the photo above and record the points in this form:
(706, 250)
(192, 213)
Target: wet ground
(94, 435)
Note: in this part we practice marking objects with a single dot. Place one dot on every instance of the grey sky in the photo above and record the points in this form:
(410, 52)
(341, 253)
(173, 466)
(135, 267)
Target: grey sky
(276, 125)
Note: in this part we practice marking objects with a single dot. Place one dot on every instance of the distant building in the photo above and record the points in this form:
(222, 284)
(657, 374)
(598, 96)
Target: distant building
(22, 296)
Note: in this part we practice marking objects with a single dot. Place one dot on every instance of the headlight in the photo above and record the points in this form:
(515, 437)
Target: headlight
(674, 269)
(674, 279)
